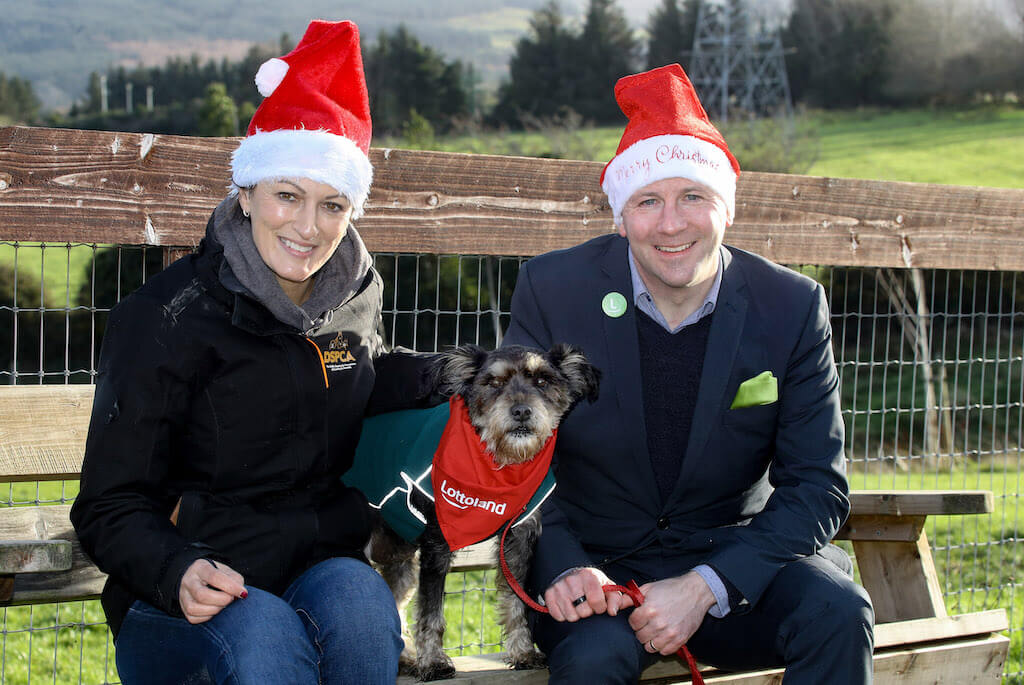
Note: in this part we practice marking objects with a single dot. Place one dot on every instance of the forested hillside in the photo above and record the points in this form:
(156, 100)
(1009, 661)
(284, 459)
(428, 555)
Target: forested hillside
(55, 44)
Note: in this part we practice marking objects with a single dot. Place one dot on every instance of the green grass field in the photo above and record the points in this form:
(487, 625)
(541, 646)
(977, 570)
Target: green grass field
(981, 146)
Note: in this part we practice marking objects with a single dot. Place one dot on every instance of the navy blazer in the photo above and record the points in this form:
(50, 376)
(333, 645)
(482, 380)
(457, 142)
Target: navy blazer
(759, 486)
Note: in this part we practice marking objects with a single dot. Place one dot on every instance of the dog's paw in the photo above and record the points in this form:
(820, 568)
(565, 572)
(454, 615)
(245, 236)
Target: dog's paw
(439, 670)
(527, 661)
(406, 665)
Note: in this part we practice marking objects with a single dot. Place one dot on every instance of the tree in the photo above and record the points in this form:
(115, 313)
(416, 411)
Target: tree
(403, 75)
(665, 35)
(17, 99)
(842, 51)
(606, 51)
(218, 115)
(540, 70)
(93, 102)
(671, 31)
(949, 53)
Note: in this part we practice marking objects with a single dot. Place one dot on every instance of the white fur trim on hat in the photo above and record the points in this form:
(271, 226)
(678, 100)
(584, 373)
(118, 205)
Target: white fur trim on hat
(669, 156)
(318, 155)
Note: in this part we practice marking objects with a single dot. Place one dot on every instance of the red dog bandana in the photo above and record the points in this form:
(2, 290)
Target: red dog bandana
(473, 496)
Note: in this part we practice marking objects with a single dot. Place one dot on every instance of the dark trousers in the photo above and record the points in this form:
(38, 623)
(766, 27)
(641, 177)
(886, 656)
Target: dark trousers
(812, 619)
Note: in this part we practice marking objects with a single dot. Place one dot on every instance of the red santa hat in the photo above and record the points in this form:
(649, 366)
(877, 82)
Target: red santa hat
(668, 135)
(314, 121)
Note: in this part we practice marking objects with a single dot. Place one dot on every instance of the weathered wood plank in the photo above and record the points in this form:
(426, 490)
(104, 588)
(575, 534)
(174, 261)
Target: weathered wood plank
(901, 579)
(91, 186)
(872, 527)
(941, 628)
(478, 557)
(978, 660)
(34, 556)
(43, 430)
(49, 522)
(922, 502)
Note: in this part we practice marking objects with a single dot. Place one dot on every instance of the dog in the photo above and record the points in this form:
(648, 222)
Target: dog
(515, 397)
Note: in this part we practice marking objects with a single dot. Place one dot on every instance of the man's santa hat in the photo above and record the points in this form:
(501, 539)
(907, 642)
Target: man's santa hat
(314, 121)
(668, 135)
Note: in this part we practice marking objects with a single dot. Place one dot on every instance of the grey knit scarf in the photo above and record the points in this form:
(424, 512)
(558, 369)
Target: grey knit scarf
(245, 271)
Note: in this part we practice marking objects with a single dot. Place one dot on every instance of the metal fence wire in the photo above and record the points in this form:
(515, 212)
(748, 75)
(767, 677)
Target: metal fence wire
(930, 365)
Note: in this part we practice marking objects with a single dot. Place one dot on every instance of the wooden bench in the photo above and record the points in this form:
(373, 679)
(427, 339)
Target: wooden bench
(63, 186)
(42, 438)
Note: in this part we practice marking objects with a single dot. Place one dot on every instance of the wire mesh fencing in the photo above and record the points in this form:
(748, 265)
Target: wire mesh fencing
(930, 365)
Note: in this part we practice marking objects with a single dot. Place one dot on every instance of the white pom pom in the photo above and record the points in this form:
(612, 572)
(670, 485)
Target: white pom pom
(270, 75)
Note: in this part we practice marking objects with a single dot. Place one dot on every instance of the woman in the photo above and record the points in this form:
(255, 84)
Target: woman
(229, 400)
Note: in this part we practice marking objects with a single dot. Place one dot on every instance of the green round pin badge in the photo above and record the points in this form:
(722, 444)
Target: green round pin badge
(614, 305)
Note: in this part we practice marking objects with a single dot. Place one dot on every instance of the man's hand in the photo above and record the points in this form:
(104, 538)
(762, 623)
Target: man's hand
(579, 594)
(672, 611)
(207, 587)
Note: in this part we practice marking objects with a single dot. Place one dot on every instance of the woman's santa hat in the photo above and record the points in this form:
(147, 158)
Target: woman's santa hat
(314, 121)
(668, 135)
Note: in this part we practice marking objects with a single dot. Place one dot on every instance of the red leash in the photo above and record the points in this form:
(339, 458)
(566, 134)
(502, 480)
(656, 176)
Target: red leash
(630, 589)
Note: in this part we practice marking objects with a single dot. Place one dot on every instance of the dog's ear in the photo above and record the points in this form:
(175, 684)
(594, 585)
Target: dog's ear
(584, 377)
(454, 370)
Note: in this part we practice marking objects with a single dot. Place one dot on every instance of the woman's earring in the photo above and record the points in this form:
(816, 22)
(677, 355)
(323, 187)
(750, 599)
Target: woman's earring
(245, 214)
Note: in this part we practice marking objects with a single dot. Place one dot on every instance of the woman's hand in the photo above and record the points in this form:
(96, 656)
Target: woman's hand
(207, 587)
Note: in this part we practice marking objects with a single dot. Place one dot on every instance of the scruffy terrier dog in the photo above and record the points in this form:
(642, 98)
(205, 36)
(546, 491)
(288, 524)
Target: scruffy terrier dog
(516, 397)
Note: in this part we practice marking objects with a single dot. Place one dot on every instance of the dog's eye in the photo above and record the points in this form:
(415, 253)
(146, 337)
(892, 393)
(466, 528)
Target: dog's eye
(539, 382)
(496, 382)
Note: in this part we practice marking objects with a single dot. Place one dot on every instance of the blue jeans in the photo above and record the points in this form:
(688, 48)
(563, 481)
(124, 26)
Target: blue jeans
(337, 623)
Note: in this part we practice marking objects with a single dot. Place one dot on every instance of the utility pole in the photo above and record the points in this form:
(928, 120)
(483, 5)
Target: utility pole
(734, 69)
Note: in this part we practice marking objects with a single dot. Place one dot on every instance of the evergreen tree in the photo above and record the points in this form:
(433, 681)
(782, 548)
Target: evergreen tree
(218, 115)
(18, 101)
(691, 13)
(606, 51)
(93, 102)
(403, 75)
(540, 71)
(671, 29)
(842, 49)
(666, 43)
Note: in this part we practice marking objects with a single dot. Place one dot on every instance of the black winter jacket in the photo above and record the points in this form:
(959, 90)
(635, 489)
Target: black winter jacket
(204, 397)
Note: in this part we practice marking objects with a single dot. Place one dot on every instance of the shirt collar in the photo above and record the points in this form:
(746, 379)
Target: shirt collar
(645, 303)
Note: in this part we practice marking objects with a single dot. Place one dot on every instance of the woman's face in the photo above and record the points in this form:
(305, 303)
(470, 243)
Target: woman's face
(297, 224)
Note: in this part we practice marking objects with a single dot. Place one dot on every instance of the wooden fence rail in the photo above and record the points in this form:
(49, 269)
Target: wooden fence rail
(103, 187)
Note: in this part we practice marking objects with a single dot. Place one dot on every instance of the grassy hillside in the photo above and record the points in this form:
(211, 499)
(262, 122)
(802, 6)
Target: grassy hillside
(981, 146)
(57, 44)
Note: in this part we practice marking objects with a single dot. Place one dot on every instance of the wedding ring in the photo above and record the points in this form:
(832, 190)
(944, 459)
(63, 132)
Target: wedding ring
(651, 643)
(579, 600)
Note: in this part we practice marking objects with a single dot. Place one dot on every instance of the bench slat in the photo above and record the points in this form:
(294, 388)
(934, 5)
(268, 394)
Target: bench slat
(34, 556)
(922, 502)
(49, 522)
(42, 431)
(976, 660)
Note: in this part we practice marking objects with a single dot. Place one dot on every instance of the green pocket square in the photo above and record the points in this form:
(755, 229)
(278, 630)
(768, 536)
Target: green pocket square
(761, 389)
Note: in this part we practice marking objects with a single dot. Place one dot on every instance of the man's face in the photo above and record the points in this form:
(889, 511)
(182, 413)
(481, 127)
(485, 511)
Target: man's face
(674, 227)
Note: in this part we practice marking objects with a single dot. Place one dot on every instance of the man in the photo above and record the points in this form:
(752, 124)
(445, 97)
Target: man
(711, 469)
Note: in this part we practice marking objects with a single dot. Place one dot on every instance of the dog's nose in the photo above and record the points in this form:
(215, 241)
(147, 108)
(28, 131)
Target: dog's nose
(521, 412)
